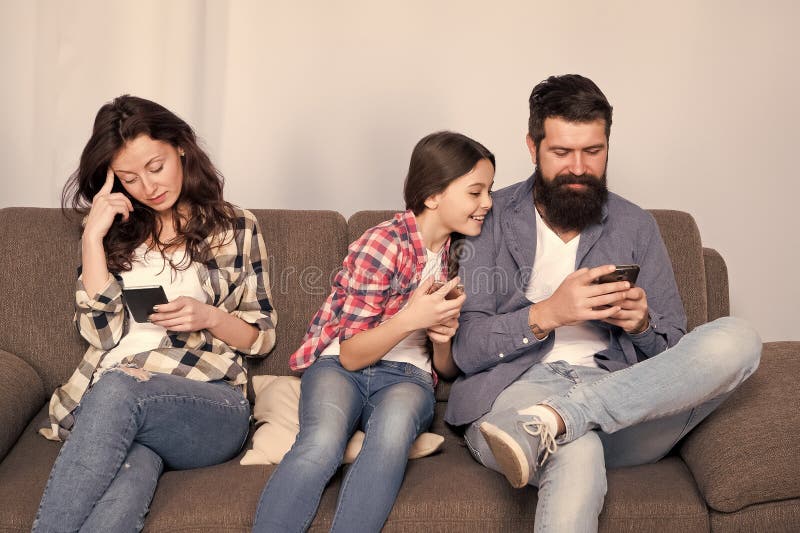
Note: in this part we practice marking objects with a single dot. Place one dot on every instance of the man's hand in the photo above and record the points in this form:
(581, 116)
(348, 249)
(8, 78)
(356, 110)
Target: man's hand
(633, 314)
(442, 333)
(579, 299)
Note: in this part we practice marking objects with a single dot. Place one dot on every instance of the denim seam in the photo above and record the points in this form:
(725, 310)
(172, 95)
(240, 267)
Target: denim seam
(131, 425)
(557, 371)
(473, 450)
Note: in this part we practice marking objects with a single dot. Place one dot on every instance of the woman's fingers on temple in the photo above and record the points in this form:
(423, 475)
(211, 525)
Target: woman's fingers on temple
(109, 183)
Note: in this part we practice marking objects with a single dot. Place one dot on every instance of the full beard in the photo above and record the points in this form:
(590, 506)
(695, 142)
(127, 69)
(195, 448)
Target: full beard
(568, 209)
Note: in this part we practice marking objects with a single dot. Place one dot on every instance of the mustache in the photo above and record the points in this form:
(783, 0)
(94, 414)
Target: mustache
(573, 179)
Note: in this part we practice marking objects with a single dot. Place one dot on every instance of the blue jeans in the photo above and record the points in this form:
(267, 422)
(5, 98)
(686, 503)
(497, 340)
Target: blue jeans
(629, 417)
(126, 431)
(392, 401)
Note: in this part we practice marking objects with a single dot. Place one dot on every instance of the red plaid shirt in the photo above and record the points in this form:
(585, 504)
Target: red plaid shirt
(382, 268)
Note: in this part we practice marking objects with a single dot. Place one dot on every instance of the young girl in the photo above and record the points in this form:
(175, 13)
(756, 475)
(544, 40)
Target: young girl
(167, 392)
(365, 357)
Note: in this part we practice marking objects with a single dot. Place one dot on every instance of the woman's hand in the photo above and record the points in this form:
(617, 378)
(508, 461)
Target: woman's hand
(185, 314)
(105, 206)
(425, 310)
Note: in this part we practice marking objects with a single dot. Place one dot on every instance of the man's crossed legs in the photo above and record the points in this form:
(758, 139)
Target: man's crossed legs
(632, 416)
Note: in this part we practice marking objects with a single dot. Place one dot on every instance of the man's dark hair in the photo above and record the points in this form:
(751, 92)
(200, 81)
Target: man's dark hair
(570, 97)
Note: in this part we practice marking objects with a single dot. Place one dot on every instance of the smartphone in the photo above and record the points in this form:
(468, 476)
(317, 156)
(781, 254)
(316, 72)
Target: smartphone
(621, 273)
(457, 291)
(141, 300)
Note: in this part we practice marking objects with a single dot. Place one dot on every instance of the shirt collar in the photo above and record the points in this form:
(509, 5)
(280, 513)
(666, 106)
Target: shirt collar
(415, 237)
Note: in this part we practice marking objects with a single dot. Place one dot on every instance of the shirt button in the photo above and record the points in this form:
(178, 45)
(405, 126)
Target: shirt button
(524, 340)
(501, 355)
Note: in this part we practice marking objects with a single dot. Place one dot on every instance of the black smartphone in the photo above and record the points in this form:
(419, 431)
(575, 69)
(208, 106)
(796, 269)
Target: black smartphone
(140, 300)
(621, 273)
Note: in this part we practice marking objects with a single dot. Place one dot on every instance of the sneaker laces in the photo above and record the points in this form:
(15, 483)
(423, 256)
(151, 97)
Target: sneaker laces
(547, 443)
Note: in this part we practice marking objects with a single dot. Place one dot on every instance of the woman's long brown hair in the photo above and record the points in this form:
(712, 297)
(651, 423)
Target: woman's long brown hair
(203, 210)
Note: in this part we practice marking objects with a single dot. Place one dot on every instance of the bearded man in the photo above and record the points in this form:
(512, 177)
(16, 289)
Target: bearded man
(563, 376)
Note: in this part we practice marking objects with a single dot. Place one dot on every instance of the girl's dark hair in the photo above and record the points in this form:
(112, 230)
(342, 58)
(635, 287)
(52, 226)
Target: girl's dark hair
(437, 160)
(120, 121)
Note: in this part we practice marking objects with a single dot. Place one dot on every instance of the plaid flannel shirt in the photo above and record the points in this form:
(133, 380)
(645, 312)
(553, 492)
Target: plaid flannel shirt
(382, 268)
(235, 280)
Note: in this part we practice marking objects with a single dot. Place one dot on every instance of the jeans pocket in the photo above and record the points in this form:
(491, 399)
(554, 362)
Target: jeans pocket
(563, 369)
(419, 375)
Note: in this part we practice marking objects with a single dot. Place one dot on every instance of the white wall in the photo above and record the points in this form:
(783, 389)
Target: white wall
(313, 104)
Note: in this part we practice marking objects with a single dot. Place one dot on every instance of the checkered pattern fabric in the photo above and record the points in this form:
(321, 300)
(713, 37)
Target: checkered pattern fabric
(381, 270)
(235, 280)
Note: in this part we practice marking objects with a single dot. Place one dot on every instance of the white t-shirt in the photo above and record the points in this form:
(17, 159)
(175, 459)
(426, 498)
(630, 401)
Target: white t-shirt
(555, 260)
(152, 269)
(412, 348)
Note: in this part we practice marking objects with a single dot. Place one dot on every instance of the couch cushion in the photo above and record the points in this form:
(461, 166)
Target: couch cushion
(39, 254)
(448, 491)
(747, 451)
(221, 498)
(717, 292)
(305, 249)
(682, 239)
(23, 476)
(21, 396)
(774, 517)
(181, 501)
(653, 497)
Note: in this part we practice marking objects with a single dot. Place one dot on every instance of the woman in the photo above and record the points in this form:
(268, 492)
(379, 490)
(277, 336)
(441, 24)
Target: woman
(169, 392)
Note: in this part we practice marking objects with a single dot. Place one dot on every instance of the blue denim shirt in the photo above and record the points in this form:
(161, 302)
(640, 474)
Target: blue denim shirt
(494, 344)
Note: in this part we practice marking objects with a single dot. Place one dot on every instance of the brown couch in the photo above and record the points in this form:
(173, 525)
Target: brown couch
(738, 471)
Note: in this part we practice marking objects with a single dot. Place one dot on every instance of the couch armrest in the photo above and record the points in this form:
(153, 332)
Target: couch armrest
(21, 397)
(717, 292)
(747, 452)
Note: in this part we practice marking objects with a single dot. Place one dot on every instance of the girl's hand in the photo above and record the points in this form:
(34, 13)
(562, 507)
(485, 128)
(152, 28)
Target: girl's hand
(105, 206)
(185, 314)
(442, 333)
(426, 310)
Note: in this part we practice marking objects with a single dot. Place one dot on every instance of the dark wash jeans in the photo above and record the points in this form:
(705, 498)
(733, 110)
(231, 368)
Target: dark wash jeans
(394, 403)
(126, 431)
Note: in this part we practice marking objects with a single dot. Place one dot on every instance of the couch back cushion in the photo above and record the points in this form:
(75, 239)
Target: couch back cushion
(305, 250)
(682, 238)
(680, 234)
(39, 254)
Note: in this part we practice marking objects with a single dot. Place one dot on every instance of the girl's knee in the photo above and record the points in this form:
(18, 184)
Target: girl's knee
(395, 427)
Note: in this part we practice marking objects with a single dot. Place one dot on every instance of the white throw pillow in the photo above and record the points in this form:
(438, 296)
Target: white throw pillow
(276, 412)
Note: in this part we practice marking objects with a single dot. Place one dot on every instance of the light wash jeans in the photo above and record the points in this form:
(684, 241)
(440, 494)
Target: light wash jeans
(126, 430)
(394, 403)
(629, 417)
